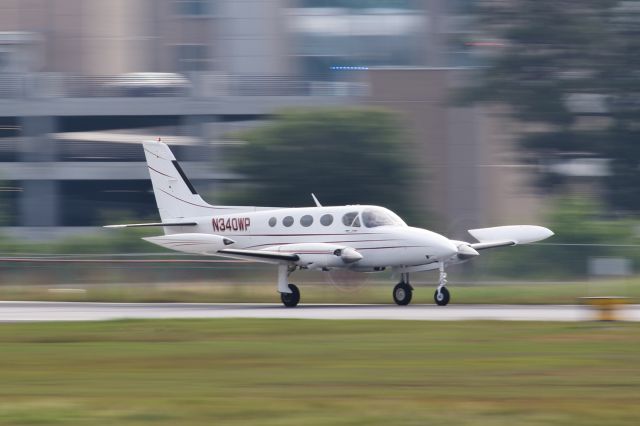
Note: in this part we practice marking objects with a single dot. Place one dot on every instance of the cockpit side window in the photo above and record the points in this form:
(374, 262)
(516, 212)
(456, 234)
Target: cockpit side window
(351, 219)
(374, 217)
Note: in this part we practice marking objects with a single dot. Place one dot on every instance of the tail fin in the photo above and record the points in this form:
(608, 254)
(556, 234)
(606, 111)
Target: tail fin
(175, 195)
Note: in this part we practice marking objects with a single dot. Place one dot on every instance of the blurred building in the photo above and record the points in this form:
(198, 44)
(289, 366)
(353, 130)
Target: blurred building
(130, 69)
(468, 171)
(82, 81)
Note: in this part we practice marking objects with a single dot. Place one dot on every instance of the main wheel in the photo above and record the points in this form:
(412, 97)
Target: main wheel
(442, 297)
(291, 300)
(402, 294)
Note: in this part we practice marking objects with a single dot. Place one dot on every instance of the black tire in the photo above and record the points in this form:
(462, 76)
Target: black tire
(442, 299)
(402, 294)
(291, 300)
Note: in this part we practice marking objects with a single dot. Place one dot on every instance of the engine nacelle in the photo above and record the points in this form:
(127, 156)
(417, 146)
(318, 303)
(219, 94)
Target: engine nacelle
(192, 243)
(320, 255)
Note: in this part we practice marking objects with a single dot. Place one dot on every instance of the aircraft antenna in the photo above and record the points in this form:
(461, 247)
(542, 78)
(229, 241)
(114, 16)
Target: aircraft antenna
(316, 200)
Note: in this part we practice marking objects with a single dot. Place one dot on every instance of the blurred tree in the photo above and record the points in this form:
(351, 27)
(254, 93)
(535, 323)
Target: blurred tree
(357, 4)
(581, 234)
(6, 214)
(344, 156)
(568, 71)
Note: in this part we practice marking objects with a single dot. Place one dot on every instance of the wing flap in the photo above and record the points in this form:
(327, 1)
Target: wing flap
(260, 255)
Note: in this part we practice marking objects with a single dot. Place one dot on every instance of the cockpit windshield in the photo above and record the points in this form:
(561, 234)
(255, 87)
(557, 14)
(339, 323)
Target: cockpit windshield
(373, 217)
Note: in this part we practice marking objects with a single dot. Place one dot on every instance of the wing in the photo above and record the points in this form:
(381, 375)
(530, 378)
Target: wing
(494, 244)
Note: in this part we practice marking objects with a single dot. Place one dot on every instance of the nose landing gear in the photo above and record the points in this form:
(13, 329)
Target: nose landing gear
(442, 296)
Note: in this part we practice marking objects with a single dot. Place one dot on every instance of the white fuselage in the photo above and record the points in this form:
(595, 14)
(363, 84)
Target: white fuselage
(359, 238)
(379, 236)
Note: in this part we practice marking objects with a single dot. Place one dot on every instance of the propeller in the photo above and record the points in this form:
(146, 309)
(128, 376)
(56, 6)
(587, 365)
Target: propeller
(345, 279)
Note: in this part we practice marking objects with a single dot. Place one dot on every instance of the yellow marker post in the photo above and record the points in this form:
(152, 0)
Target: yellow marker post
(607, 308)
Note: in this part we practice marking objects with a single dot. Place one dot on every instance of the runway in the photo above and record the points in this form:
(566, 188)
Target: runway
(86, 311)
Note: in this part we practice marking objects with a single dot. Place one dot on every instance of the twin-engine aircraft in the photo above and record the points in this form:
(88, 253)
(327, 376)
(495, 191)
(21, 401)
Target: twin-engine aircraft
(357, 238)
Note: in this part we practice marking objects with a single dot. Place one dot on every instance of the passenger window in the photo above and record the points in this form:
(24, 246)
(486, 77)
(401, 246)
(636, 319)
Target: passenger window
(306, 220)
(351, 219)
(287, 221)
(272, 222)
(326, 219)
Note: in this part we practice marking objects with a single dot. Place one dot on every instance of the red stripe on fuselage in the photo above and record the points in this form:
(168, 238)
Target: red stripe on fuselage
(302, 235)
(321, 242)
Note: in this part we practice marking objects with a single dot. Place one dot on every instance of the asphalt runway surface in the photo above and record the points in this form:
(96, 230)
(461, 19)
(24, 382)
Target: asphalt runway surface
(88, 311)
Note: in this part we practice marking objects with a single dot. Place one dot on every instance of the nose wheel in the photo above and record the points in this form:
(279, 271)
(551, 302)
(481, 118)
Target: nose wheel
(441, 296)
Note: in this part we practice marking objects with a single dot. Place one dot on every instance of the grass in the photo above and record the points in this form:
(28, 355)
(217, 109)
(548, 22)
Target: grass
(296, 372)
(319, 292)
(253, 282)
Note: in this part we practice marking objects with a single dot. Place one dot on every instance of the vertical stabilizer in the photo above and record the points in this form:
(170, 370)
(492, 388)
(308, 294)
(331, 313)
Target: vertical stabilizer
(175, 195)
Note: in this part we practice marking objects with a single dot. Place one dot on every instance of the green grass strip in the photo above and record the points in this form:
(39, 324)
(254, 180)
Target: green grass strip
(297, 372)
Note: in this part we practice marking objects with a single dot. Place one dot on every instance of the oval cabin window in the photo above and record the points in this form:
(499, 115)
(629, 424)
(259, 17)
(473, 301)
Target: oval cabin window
(306, 220)
(326, 219)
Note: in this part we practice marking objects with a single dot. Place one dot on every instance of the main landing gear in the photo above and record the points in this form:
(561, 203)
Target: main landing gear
(291, 300)
(403, 291)
(289, 293)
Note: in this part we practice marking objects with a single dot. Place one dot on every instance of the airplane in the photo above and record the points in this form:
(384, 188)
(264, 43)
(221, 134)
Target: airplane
(363, 238)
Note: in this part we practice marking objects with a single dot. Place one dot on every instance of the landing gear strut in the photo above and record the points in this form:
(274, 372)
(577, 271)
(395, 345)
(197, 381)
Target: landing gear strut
(403, 291)
(441, 296)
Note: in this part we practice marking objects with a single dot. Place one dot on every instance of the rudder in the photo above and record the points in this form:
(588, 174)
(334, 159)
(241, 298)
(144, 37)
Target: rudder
(175, 195)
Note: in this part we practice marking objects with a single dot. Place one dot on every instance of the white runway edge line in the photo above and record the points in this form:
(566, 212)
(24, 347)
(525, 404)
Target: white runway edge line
(89, 311)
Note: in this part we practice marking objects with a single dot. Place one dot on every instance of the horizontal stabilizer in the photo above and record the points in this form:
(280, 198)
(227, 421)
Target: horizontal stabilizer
(141, 225)
(192, 243)
(509, 235)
